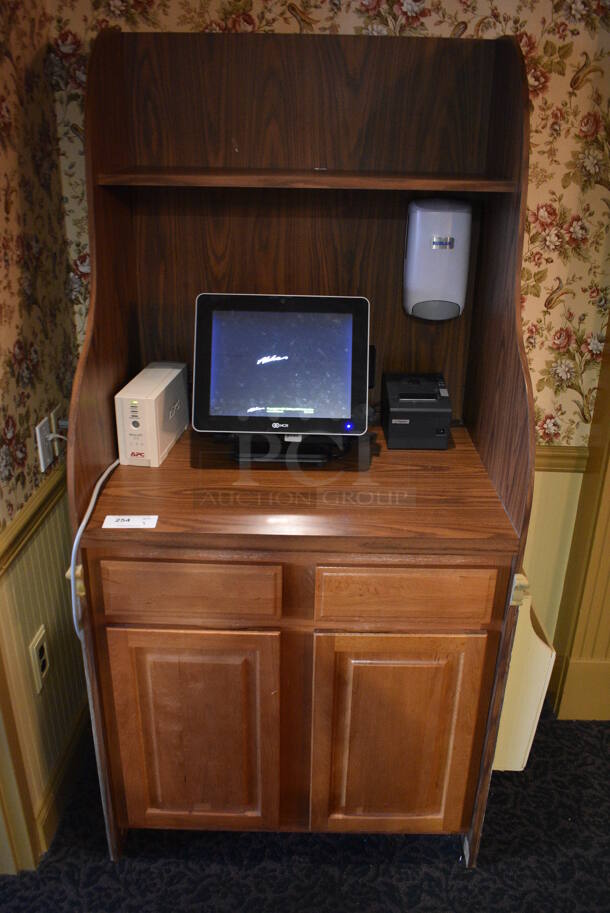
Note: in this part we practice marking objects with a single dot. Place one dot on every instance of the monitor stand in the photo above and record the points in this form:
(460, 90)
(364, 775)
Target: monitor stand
(313, 450)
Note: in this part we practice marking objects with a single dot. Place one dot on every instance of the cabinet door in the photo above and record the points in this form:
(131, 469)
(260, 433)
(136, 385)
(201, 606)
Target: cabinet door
(395, 738)
(198, 726)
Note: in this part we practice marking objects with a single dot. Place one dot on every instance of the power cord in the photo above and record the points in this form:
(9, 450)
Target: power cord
(76, 618)
(76, 614)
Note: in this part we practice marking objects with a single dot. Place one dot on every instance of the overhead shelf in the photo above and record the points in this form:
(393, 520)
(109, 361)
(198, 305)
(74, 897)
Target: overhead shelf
(316, 179)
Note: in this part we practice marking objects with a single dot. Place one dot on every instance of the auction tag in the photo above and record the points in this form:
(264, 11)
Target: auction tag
(133, 522)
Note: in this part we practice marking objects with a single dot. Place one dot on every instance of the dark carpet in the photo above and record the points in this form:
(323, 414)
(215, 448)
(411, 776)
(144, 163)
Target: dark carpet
(545, 848)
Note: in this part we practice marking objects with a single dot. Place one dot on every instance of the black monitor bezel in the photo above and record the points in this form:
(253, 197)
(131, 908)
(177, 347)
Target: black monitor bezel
(207, 302)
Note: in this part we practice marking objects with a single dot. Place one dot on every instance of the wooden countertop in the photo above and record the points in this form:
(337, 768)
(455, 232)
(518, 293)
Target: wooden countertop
(417, 501)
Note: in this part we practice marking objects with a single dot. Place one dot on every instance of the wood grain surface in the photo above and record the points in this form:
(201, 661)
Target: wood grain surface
(184, 602)
(465, 595)
(110, 353)
(472, 838)
(137, 590)
(418, 501)
(498, 402)
(198, 723)
(394, 720)
(286, 102)
(315, 179)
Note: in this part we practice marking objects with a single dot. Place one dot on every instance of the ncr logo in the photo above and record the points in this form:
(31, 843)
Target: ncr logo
(279, 425)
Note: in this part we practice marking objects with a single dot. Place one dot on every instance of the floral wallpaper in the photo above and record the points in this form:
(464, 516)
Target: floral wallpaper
(37, 334)
(566, 275)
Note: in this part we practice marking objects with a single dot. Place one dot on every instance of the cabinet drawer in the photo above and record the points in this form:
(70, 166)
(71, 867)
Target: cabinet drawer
(171, 591)
(456, 595)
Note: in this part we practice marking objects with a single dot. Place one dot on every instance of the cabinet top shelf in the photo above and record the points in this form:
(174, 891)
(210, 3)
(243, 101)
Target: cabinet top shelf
(316, 179)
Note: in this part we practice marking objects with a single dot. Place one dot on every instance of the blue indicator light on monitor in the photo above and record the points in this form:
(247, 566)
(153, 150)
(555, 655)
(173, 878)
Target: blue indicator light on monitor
(348, 426)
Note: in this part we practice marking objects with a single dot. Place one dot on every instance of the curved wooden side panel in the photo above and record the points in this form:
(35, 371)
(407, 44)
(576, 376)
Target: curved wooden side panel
(110, 350)
(498, 404)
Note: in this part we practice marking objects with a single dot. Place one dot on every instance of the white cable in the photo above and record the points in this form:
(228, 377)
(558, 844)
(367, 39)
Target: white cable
(99, 757)
(77, 538)
(56, 437)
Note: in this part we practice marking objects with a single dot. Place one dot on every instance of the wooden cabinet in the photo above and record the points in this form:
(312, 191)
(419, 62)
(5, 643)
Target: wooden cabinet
(199, 634)
(394, 724)
(197, 716)
(310, 689)
(295, 724)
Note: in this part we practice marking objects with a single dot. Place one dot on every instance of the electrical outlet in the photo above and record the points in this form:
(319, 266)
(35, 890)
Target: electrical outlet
(39, 657)
(54, 423)
(45, 450)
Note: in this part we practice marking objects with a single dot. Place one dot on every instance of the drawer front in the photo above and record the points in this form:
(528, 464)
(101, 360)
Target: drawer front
(453, 595)
(171, 591)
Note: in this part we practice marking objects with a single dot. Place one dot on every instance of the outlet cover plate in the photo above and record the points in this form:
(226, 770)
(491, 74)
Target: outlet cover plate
(45, 448)
(39, 651)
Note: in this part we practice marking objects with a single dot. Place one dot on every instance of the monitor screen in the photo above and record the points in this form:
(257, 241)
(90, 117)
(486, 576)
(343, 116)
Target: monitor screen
(291, 364)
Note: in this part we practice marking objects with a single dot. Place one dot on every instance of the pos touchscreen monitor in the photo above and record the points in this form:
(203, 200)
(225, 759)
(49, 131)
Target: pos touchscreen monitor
(281, 364)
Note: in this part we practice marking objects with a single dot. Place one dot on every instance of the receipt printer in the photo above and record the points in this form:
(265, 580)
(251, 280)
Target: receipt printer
(416, 412)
